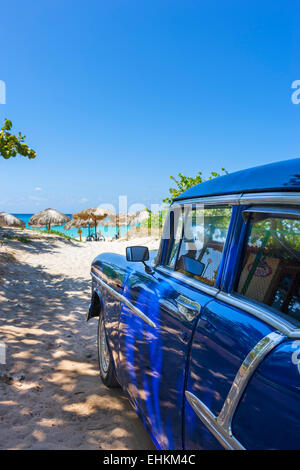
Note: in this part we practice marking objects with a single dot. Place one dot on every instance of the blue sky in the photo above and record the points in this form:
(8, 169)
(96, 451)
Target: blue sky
(117, 96)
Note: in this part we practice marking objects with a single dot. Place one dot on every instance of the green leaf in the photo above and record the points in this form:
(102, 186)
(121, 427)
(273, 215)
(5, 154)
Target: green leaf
(185, 182)
(11, 145)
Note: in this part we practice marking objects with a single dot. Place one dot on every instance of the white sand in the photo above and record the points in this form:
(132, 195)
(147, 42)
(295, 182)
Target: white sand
(51, 396)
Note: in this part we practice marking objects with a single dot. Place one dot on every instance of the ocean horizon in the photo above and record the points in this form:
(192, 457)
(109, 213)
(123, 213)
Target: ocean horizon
(107, 232)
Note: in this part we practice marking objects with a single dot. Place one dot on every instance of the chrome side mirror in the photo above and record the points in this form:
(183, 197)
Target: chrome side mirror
(139, 254)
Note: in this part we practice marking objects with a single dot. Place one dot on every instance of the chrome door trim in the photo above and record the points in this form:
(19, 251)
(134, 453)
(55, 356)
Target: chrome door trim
(220, 426)
(187, 280)
(264, 314)
(123, 299)
(245, 372)
(211, 422)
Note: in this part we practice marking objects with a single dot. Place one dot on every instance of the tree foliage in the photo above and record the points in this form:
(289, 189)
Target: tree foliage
(185, 182)
(155, 219)
(11, 145)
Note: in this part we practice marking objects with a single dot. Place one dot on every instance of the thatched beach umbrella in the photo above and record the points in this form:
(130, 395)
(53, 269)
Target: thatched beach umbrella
(139, 217)
(122, 220)
(78, 223)
(9, 220)
(95, 215)
(48, 217)
(129, 218)
(116, 220)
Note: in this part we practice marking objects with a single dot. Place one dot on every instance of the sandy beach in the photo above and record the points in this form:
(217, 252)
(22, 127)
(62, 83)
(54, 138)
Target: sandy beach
(51, 396)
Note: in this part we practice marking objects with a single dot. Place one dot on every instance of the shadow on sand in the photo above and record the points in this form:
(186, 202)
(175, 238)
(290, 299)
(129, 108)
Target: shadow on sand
(51, 396)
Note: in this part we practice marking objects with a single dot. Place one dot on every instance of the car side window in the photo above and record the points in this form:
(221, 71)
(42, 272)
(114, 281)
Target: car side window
(175, 227)
(201, 247)
(270, 270)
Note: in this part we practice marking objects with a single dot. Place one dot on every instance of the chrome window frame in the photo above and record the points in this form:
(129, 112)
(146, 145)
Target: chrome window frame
(272, 211)
(259, 311)
(265, 312)
(164, 269)
(280, 197)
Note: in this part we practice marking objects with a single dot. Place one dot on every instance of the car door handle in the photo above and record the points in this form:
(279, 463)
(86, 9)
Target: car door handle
(187, 307)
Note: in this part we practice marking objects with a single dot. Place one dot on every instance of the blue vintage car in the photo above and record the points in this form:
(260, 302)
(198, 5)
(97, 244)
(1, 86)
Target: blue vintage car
(204, 337)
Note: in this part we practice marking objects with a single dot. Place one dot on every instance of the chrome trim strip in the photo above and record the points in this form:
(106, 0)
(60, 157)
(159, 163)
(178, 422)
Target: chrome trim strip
(230, 199)
(210, 421)
(220, 426)
(248, 367)
(125, 301)
(189, 281)
(272, 198)
(245, 198)
(262, 313)
(284, 212)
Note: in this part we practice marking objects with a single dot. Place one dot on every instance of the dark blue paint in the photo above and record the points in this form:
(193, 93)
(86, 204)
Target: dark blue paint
(279, 176)
(197, 436)
(154, 368)
(268, 416)
(224, 336)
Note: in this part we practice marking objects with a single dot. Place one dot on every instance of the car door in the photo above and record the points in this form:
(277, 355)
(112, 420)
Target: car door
(153, 358)
(241, 389)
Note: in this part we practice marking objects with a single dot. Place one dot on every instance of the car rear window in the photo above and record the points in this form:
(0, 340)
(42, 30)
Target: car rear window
(270, 270)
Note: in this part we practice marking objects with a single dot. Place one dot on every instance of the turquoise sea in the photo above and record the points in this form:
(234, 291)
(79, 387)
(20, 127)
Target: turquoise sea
(107, 232)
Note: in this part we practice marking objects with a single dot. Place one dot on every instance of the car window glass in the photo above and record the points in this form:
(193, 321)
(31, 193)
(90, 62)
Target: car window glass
(270, 271)
(177, 217)
(205, 231)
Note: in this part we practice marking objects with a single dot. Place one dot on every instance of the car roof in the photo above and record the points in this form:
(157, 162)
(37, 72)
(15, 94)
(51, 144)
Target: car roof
(278, 176)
